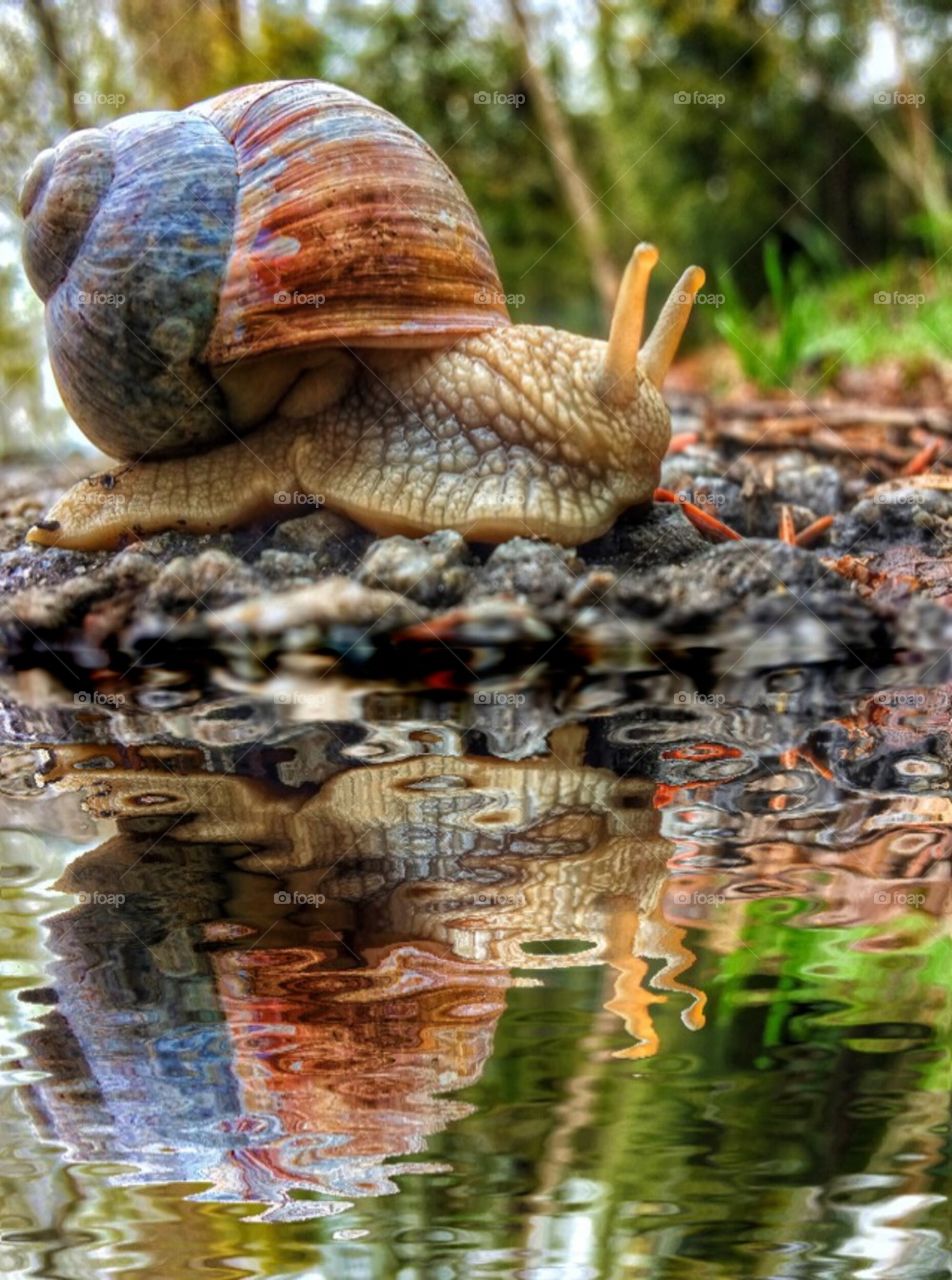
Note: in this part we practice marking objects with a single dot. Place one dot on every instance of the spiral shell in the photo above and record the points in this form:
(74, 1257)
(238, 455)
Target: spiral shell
(349, 229)
(275, 218)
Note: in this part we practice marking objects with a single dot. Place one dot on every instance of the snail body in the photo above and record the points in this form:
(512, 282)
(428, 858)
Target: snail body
(282, 295)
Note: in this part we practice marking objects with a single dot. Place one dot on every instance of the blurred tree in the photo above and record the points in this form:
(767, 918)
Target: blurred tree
(46, 22)
(188, 51)
(582, 203)
(704, 127)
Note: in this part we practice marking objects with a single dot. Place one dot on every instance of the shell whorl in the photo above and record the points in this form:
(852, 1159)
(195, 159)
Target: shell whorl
(275, 218)
(58, 200)
(133, 303)
(349, 229)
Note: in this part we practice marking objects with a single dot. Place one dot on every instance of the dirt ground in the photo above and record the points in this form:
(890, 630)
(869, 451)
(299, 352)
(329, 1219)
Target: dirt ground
(821, 527)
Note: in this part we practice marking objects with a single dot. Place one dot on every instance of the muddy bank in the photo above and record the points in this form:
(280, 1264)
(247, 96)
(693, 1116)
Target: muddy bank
(876, 576)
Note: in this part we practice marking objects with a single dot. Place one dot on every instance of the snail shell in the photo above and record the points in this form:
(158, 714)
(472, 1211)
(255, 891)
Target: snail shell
(279, 218)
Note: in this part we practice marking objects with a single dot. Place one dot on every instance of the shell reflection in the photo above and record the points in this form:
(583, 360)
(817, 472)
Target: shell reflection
(278, 989)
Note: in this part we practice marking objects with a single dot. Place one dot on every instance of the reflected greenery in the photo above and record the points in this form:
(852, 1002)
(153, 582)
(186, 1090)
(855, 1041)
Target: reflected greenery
(360, 1004)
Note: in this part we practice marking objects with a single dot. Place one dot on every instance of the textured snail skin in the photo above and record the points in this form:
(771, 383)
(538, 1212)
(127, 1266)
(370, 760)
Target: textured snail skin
(502, 434)
(281, 298)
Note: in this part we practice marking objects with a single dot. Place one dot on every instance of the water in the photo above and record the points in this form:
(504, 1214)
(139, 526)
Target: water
(612, 980)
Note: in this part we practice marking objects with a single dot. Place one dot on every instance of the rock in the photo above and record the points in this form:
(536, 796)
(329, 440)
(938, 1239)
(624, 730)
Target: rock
(332, 601)
(802, 481)
(331, 542)
(661, 534)
(907, 511)
(212, 579)
(757, 579)
(529, 571)
(434, 570)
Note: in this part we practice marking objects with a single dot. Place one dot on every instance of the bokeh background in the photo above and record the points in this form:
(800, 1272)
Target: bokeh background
(799, 151)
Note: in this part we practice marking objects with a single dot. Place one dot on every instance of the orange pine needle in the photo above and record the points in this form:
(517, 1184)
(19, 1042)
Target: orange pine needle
(813, 532)
(787, 530)
(924, 459)
(712, 528)
(683, 440)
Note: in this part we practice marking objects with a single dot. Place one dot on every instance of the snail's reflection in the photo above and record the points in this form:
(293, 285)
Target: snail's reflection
(274, 989)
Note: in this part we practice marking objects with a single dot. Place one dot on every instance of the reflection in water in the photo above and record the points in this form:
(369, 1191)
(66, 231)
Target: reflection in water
(293, 979)
(605, 1021)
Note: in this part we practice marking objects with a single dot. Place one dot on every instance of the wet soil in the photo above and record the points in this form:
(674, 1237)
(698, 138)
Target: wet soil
(664, 580)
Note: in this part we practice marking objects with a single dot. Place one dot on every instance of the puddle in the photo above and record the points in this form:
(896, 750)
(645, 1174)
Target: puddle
(615, 979)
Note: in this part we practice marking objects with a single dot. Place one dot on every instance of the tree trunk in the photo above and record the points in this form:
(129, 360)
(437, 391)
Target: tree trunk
(63, 75)
(582, 204)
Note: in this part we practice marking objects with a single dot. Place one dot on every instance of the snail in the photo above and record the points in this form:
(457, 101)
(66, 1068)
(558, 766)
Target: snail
(281, 295)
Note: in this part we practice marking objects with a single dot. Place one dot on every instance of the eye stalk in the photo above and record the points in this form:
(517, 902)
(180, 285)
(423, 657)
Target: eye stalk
(661, 347)
(618, 378)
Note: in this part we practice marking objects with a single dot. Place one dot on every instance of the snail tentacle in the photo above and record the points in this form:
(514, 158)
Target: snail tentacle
(662, 343)
(618, 383)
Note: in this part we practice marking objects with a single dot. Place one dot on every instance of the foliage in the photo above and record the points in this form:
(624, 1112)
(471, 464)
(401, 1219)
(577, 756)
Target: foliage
(814, 322)
(702, 127)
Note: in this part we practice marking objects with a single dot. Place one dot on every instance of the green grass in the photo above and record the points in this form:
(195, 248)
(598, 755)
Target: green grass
(811, 326)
